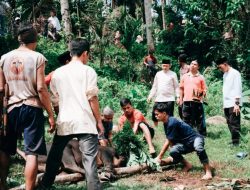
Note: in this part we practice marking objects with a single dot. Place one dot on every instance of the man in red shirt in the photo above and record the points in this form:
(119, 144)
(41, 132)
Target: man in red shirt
(192, 91)
(137, 122)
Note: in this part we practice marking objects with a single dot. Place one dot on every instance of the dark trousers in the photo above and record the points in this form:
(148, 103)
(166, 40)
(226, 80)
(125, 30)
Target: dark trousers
(88, 145)
(233, 122)
(192, 115)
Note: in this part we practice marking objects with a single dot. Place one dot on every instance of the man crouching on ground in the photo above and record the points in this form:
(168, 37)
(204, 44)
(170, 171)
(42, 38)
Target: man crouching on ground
(183, 139)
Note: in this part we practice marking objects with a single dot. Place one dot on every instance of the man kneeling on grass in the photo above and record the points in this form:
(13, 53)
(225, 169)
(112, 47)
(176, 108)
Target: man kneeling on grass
(183, 139)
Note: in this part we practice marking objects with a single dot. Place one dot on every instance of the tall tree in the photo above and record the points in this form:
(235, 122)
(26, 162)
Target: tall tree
(148, 15)
(66, 17)
(163, 3)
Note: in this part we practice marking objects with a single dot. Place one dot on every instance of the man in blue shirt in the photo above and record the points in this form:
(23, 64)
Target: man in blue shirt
(183, 139)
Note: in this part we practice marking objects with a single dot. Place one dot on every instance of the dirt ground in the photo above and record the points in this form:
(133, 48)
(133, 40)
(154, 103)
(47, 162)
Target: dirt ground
(178, 180)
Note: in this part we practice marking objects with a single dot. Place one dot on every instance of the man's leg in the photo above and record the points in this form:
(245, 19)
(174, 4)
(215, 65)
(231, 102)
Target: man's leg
(147, 136)
(176, 153)
(171, 108)
(196, 117)
(234, 125)
(180, 108)
(54, 160)
(89, 146)
(186, 112)
(200, 150)
(4, 165)
(30, 171)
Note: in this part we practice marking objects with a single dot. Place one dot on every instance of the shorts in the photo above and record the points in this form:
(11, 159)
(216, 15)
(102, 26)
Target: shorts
(151, 130)
(28, 120)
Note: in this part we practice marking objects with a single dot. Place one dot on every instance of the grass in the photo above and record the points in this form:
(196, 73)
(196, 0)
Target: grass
(222, 157)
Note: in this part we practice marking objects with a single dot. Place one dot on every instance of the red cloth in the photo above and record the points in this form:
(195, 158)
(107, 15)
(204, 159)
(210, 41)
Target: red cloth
(48, 78)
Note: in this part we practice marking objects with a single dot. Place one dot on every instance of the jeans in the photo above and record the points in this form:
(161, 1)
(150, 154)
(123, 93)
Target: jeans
(198, 146)
(233, 122)
(88, 144)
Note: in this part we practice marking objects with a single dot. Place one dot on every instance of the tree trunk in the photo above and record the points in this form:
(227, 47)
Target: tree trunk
(148, 15)
(67, 28)
(163, 3)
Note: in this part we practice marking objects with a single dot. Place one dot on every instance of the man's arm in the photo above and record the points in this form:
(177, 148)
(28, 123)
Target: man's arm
(238, 90)
(94, 104)
(177, 89)
(2, 83)
(44, 96)
(163, 150)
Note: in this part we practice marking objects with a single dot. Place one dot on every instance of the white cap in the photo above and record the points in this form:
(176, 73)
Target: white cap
(107, 111)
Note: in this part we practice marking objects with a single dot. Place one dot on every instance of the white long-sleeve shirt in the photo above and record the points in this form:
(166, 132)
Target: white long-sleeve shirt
(165, 87)
(232, 88)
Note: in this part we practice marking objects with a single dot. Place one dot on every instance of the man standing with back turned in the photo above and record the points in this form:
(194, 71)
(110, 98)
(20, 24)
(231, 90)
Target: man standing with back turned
(232, 98)
(74, 87)
(23, 70)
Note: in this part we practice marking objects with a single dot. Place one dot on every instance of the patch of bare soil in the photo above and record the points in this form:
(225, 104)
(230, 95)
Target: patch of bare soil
(188, 181)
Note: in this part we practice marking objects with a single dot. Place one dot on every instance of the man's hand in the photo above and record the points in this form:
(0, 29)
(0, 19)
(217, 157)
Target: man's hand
(100, 128)
(236, 109)
(158, 159)
(52, 124)
(178, 101)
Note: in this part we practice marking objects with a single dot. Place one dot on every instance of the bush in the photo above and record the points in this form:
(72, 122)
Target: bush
(51, 50)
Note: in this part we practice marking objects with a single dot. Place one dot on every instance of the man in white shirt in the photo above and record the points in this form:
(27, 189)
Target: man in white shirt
(232, 98)
(165, 88)
(54, 20)
(74, 87)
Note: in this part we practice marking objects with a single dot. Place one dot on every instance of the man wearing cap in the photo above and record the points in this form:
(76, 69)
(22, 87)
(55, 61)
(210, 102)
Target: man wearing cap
(165, 88)
(232, 98)
(23, 71)
(192, 91)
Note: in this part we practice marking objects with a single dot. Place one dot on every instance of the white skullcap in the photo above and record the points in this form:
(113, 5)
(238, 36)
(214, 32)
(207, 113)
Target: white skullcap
(107, 111)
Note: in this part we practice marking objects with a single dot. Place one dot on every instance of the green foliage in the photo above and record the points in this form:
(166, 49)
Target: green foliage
(246, 104)
(8, 43)
(111, 91)
(51, 50)
(125, 141)
(131, 146)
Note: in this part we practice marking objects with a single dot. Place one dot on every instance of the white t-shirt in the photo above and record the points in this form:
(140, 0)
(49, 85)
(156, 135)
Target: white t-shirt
(72, 86)
(232, 88)
(20, 71)
(165, 86)
(54, 20)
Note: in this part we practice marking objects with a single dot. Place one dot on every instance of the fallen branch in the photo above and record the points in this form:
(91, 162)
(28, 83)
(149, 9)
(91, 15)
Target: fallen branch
(130, 169)
(59, 179)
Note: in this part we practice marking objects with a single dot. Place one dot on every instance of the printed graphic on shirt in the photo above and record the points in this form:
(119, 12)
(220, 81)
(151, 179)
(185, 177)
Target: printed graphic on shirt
(16, 68)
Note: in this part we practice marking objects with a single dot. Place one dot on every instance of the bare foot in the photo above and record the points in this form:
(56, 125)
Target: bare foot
(188, 166)
(207, 176)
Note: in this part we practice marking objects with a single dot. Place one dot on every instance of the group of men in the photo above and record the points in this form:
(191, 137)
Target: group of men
(75, 93)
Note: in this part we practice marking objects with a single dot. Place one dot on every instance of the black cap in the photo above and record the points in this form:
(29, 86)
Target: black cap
(165, 61)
